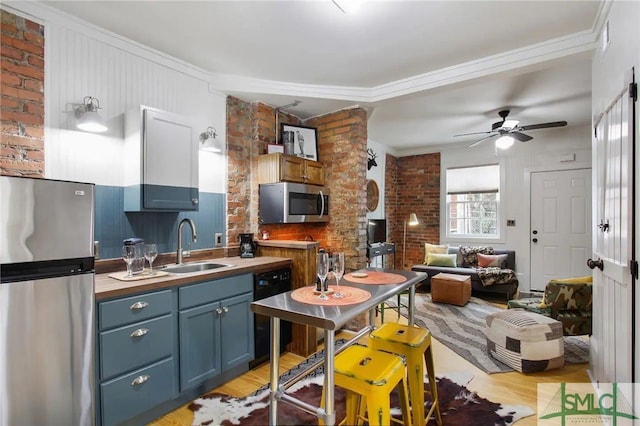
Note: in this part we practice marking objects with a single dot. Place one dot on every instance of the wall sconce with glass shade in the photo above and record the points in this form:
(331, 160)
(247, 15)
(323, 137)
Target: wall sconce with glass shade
(209, 141)
(87, 117)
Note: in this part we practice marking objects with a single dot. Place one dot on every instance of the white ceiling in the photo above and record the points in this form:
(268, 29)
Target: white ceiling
(425, 70)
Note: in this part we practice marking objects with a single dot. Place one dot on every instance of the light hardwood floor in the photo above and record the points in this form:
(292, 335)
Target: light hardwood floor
(507, 388)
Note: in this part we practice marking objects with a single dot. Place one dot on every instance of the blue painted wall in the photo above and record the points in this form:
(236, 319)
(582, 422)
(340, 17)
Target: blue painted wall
(113, 225)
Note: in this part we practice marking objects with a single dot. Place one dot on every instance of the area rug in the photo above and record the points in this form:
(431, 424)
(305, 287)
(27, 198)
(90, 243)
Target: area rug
(459, 406)
(461, 329)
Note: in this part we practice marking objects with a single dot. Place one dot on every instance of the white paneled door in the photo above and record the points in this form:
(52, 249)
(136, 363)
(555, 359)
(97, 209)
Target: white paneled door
(612, 339)
(560, 225)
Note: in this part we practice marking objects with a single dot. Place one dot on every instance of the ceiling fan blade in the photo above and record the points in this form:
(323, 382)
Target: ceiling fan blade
(480, 141)
(475, 133)
(520, 136)
(543, 125)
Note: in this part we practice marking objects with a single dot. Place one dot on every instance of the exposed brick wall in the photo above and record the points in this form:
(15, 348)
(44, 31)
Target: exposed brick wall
(21, 97)
(417, 190)
(250, 128)
(239, 146)
(342, 147)
(342, 139)
(391, 205)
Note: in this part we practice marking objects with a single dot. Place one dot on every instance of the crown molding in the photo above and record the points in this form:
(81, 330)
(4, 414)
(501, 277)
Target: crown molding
(47, 15)
(527, 56)
(522, 58)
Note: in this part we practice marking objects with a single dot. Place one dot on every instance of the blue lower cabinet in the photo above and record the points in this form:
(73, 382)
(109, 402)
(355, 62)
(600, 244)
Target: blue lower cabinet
(155, 350)
(126, 348)
(134, 393)
(199, 344)
(216, 336)
(236, 325)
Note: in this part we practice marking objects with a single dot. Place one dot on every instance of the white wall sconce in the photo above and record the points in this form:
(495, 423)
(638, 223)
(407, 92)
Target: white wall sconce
(87, 117)
(208, 141)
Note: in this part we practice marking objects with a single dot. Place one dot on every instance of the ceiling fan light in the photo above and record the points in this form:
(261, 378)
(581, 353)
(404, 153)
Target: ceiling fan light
(504, 142)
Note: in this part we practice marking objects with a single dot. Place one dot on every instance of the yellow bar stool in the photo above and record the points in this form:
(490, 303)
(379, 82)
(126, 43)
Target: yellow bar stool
(413, 343)
(371, 376)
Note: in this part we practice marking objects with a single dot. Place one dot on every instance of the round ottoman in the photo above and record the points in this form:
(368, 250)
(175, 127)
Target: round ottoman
(525, 341)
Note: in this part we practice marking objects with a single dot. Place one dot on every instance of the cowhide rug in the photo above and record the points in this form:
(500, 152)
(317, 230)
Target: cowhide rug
(459, 406)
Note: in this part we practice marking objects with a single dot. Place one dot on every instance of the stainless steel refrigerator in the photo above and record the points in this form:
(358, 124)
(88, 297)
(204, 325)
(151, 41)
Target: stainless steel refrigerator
(46, 302)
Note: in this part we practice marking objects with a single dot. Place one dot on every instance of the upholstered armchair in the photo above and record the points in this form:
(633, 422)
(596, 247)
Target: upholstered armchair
(567, 301)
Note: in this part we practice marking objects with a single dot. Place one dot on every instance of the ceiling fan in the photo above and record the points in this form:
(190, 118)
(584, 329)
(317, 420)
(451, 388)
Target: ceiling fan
(510, 130)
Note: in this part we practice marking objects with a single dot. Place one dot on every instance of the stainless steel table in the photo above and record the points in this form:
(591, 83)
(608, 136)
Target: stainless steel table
(329, 318)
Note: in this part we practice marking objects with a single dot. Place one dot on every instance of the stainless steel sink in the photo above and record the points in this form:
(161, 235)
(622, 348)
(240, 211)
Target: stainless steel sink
(194, 267)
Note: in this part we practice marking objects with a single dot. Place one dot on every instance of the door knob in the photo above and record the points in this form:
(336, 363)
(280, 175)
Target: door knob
(535, 240)
(592, 264)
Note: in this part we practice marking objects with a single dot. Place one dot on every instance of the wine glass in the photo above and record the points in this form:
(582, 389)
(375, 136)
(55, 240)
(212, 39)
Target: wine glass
(129, 255)
(150, 253)
(322, 270)
(337, 262)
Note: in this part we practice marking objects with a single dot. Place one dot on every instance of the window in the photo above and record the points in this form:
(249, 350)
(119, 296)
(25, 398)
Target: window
(473, 199)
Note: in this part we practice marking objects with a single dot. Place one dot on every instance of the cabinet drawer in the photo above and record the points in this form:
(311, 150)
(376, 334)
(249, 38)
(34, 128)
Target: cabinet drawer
(207, 292)
(124, 349)
(135, 308)
(122, 398)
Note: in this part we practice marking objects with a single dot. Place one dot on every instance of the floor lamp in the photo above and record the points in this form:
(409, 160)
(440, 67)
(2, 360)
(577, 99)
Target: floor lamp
(413, 221)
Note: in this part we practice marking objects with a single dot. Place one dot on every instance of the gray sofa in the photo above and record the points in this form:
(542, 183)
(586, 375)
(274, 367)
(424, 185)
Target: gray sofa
(502, 290)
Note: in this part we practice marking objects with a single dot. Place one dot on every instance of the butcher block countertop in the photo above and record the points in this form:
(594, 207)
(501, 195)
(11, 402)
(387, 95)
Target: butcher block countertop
(107, 287)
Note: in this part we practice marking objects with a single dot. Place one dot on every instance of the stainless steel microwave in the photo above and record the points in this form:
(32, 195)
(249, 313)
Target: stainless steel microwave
(287, 202)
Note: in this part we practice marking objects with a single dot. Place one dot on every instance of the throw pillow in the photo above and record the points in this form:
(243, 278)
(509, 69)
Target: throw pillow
(433, 248)
(441, 259)
(469, 255)
(455, 250)
(491, 260)
(550, 293)
(576, 280)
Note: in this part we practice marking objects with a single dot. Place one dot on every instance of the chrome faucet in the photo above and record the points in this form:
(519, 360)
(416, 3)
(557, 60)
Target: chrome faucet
(194, 237)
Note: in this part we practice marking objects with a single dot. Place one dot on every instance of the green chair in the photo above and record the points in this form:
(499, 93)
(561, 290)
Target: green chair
(567, 301)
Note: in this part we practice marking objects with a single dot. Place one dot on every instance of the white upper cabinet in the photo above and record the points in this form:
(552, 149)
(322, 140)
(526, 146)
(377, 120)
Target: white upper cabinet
(161, 161)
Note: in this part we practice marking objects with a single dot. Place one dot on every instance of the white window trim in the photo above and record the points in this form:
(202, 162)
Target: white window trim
(445, 237)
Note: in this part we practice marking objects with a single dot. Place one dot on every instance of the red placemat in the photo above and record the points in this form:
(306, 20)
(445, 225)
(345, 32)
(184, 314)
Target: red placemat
(352, 296)
(376, 278)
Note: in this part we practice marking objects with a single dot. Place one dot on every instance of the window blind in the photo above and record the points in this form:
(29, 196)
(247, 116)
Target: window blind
(470, 180)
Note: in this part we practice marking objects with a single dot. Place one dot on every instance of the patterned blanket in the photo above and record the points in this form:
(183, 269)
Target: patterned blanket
(491, 276)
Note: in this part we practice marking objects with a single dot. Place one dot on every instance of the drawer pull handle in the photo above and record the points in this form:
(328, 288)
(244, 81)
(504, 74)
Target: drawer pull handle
(138, 305)
(219, 311)
(225, 309)
(140, 332)
(140, 380)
